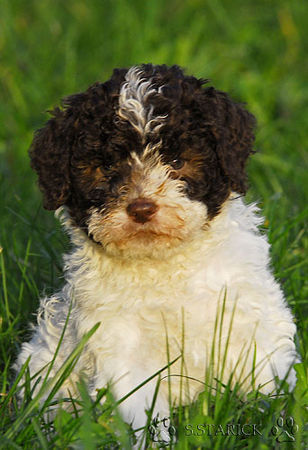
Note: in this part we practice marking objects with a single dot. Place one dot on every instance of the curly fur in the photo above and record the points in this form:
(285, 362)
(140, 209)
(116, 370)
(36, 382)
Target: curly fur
(153, 134)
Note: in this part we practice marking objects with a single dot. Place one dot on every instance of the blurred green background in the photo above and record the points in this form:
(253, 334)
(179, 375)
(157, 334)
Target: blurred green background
(255, 50)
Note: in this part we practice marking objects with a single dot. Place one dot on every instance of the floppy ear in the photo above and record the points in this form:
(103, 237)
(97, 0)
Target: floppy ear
(234, 134)
(50, 155)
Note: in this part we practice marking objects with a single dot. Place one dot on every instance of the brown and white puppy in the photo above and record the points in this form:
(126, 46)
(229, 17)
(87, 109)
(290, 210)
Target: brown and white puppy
(148, 169)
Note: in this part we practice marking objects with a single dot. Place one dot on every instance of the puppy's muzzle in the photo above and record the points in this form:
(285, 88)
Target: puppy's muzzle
(141, 210)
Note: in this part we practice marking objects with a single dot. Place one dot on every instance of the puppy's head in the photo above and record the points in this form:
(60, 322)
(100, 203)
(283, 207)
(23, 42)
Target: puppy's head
(144, 161)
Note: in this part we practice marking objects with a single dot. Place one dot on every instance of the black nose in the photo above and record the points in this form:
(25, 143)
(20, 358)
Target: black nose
(141, 210)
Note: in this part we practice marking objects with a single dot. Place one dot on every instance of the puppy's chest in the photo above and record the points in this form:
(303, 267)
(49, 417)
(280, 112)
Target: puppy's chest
(148, 304)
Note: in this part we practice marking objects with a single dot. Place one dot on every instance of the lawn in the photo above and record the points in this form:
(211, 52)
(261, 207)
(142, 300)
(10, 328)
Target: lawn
(255, 50)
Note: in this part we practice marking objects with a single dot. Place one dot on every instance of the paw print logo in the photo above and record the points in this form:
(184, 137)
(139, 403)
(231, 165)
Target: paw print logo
(162, 431)
(285, 430)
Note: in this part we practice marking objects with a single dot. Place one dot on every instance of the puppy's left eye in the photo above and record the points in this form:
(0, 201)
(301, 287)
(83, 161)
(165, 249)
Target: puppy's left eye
(177, 163)
(105, 168)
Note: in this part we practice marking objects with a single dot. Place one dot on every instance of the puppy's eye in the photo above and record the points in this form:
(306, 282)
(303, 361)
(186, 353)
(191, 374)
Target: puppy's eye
(177, 163)
(105, 168)
(96, 194)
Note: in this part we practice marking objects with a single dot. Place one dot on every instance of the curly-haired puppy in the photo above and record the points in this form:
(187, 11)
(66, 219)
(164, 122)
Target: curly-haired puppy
(149, 170)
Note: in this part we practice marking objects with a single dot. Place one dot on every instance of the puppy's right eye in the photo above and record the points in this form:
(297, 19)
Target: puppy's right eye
(96, 195)
(177, 163)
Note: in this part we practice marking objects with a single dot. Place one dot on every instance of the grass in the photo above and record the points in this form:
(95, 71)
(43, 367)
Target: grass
(51, 48)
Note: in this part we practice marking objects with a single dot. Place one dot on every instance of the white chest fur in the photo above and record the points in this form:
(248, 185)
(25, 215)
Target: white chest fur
(153, 310)
(144, 304)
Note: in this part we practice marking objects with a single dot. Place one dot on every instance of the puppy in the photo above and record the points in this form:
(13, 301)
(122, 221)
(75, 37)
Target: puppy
(147, 172)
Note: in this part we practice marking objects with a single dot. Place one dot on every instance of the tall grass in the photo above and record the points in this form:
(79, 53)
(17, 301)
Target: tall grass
(51, 48)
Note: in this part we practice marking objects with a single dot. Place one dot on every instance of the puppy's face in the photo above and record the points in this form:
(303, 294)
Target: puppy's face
(144, 161)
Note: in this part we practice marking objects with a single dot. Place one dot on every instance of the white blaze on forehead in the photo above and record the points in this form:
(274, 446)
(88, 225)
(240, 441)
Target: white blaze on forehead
(133, 102)
(136, 159)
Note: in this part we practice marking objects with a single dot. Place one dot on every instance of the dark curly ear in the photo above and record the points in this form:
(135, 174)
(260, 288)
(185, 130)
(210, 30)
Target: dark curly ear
(50, 155)
(234, 134)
